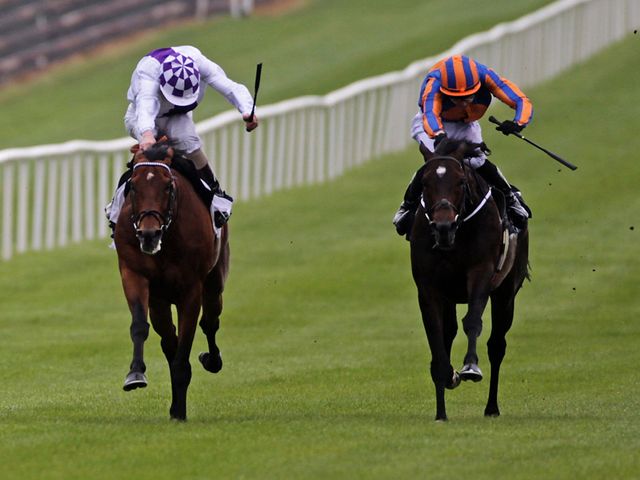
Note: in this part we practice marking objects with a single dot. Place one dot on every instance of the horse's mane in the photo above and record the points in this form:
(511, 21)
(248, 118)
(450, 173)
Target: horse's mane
(180, 164)
(179, 161)
(159, 151)
(460, 148)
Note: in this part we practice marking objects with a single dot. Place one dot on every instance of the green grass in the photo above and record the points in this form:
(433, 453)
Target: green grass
(326, 372)
(312, 50)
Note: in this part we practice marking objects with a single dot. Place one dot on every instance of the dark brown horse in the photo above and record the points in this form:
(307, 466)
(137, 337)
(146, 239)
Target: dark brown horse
(168, 254)
(462, 252)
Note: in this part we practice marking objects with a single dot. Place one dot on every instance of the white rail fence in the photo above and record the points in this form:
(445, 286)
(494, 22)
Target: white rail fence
(54, 194)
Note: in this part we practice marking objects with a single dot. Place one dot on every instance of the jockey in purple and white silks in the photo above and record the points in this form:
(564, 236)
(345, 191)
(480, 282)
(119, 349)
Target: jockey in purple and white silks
(166, 86)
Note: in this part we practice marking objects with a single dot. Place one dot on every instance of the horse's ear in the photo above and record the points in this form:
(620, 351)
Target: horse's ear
(461, 150)
(426, 153)
(169, 157)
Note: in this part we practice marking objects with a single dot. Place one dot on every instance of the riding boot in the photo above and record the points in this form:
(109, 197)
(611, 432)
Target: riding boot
(221, 202)
(206, 174)
(518, 214)
(403, 219)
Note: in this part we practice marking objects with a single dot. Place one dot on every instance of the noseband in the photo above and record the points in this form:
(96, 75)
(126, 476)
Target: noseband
(443, 203)
(446, 203)
(163, 220)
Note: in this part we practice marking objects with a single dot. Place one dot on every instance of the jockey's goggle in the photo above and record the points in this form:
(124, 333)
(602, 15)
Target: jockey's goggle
(465, 99)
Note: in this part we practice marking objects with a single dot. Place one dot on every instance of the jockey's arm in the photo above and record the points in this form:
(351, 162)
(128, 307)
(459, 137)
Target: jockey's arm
(236, 94)
(509, 93)
(431, 106)
(146, 89)
(147, 139)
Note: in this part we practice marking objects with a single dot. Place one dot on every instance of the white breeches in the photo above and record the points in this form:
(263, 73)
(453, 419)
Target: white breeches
(470, 132)
(179, 128)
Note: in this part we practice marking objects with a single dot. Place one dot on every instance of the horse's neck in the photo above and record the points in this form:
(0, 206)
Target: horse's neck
(477, 189)
(477, 185)
(184, 190)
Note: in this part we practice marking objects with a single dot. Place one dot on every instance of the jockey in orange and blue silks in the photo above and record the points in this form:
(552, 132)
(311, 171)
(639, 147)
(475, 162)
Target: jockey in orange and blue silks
(454, 95)
(459, 90)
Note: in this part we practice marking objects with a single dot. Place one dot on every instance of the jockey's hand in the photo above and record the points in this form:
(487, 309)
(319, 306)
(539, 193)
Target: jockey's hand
(509, 126)
(439, 138)
(250, 122)
(147, 140)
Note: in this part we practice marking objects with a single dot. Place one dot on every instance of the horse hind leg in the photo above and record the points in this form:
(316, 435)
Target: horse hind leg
(211, 360)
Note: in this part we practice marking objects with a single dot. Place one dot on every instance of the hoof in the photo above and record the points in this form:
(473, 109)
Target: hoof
(472, 372)
(177, 414)
(491, 412)
(455, 381)
(134, 380)
(211, 363)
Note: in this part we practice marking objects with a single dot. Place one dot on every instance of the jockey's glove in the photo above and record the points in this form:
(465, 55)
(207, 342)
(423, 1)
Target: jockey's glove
(509, 126)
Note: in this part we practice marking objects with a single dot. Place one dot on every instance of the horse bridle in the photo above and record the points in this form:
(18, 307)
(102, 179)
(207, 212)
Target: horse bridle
(163, 220)
(446, 203)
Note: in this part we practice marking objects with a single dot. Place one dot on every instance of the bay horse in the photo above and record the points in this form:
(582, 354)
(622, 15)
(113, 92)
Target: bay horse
(168, 254)
(464, 252)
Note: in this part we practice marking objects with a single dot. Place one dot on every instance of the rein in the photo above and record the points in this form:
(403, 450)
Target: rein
(163, 220)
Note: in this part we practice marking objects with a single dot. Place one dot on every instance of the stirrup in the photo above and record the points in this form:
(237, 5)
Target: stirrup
(220, 218)
(221, 208)
(517, 219)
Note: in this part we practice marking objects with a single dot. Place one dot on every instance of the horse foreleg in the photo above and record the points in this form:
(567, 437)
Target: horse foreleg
(210, 321)
(180, 367)
(501, 320)
(137, 294)
(450, 329)
(472, 325)
(440, 364)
